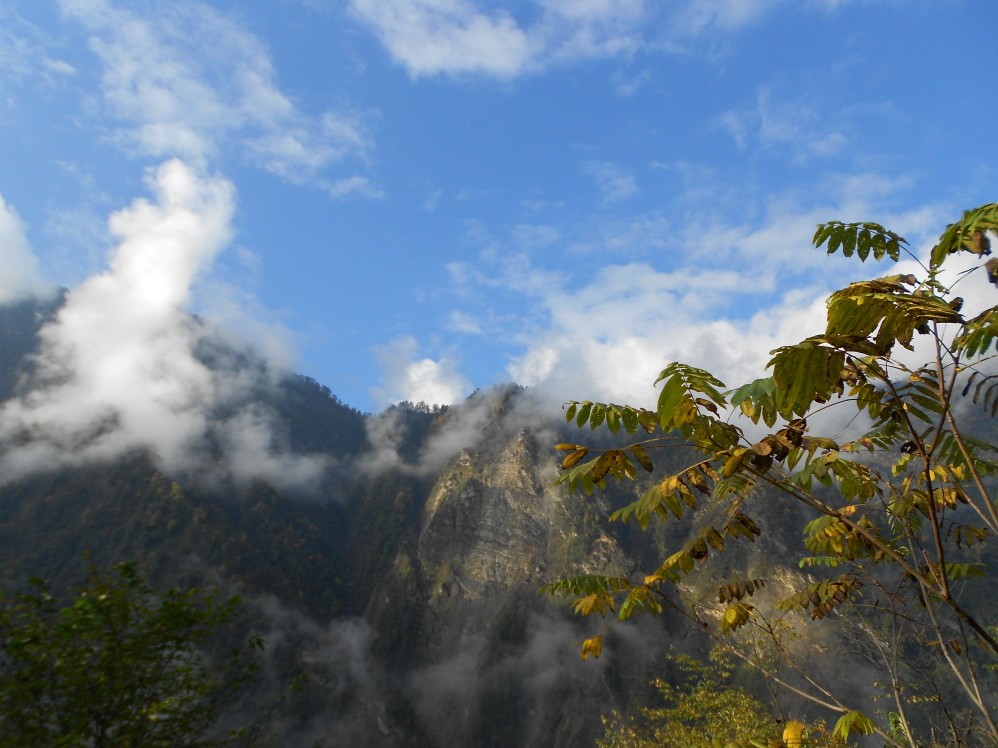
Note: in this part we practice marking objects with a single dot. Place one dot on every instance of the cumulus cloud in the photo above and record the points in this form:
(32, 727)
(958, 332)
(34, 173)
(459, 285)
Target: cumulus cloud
(609, 339)
(185, 81)
(407, 376)
(121, 367)
(447, 36)
(21, 278)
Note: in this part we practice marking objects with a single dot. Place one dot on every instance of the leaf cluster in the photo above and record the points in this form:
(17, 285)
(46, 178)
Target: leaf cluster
(118, 664)
(891, 505)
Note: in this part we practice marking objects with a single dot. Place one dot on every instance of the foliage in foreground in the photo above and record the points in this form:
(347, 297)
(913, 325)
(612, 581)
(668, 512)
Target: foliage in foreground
(120, 664)
(704, 708)
(900, 522)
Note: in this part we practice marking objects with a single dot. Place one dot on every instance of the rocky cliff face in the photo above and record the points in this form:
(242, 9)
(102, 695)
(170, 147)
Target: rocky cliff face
(494, 521)
(490, 661)
(487, 521)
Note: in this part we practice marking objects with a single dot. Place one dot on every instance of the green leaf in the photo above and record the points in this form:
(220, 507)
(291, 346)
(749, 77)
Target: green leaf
(630, 419)
(597, 416)
(978, 334)
(964, 571)
(851, 722)
(677, 402)
(863, 238)
(613, 419)
(586, 584)
(757, 400)
(804, 374)
(963, 235)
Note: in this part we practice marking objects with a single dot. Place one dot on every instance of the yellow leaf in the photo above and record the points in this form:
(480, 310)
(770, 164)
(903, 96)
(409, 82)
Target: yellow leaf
(793, 734)
(592, 646)
(733, 463)
(573, 459)
(642, 457)
(599, 602)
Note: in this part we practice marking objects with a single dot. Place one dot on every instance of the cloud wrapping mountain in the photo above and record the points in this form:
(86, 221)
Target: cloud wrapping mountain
(118, 368)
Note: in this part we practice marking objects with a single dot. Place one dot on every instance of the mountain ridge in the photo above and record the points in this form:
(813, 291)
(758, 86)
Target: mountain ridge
(423, 572)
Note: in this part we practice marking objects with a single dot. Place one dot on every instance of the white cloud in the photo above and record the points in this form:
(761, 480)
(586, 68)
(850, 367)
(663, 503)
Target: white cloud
(697, 16)
(241, 320)
(21, 277)
(613, 181)
(627, 86)
(611, 336)
(447, 36)
(355, 185)
(473, 37)
(584, 29)
(793, 125)
(120, 367)
(594, 11)
(634, 234)
(432, 201)
(186, 81)
(455, 37)
(535, 236)
(463, 322)
(407, 376)
(717, 292)
(24, 53)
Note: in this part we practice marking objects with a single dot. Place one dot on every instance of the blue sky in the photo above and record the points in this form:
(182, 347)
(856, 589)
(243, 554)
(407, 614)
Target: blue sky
(414, 198)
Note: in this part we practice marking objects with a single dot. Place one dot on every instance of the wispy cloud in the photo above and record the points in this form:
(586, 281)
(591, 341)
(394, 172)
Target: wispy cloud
(628, 85)
(796, 126)
(460, 37)
(25, 54)
(634, 234)
(530, 236)
(698, 16)
(186, 81)
(354, 186)
(613, 181)
(462, 322)
(21, 277)
(472, 37)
